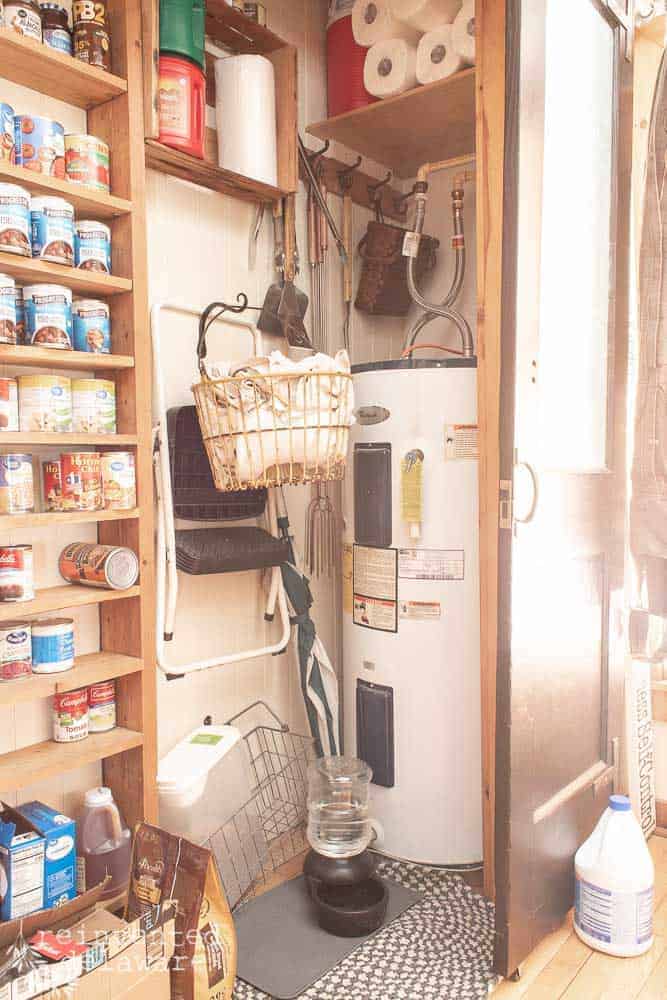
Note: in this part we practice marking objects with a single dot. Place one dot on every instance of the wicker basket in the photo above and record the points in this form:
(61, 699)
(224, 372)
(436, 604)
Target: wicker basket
(275, 429)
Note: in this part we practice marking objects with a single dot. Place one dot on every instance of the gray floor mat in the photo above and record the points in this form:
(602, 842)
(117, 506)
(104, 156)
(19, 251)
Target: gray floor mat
(441, 949)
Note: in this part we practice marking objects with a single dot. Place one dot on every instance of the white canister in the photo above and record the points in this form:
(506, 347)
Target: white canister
(94, 406)
(53, 646)
(7, 310)
(246, 103)
(45, 404)
(52, 229)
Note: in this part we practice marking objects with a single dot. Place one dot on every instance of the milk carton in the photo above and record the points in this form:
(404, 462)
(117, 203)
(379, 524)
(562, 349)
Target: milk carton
(59, 833)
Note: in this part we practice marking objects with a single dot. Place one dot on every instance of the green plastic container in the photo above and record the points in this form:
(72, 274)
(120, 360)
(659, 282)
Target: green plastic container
(182, 28)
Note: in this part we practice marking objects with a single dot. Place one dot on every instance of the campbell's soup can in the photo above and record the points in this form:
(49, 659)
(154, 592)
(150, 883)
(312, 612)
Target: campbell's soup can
(99, 565)
(102, 707)
(87, 161)
(52, 489)
(9, 404)
(17, 495)
(16, 574)
(81, 480)
(119, 481)
(15, 651)
(70, 716)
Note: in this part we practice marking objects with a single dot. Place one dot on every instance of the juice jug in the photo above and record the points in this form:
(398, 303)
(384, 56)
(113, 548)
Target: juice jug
(104, 844)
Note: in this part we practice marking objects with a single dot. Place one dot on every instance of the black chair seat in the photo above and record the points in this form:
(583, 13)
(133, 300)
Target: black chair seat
(228, 550)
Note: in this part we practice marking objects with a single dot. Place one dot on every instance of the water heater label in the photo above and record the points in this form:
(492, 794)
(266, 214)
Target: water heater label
(461, 442)
(431, 564)
(375, 588)
(420, 611)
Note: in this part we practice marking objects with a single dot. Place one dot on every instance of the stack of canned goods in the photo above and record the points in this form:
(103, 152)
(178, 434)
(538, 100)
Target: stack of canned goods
(77, 714)
(77, 481)
(46, 316)
(49, 23)
(40, 647)
(57, 404)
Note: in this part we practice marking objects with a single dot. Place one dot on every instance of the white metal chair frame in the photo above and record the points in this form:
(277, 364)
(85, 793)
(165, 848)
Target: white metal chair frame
(166, 571)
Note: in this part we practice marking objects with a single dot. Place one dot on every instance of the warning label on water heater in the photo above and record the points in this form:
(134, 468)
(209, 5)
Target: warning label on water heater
(419, 611)
(375, 586)
(431, 564)
(461, 442)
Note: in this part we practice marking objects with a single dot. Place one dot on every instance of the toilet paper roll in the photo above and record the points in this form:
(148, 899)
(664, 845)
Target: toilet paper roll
(390, 68)
(425, 15)
(463, 32)
(246, 117)
(436, 56)
(373, 21)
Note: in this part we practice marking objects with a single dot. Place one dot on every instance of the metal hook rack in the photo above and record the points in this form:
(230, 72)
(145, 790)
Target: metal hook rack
(401, 202)
(341, 178)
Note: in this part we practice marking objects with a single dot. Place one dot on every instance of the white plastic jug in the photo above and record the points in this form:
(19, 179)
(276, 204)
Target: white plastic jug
(614, 885)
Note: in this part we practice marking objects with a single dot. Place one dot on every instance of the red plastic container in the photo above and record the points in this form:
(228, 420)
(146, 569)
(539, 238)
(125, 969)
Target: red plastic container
(345, 69)
(182, 105)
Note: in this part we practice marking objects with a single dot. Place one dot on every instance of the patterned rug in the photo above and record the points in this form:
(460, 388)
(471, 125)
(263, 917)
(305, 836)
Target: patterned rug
(441, 949)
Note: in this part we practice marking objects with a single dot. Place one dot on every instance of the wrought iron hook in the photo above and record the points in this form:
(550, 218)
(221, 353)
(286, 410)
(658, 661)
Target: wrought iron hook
(345, 175)
(401, 202)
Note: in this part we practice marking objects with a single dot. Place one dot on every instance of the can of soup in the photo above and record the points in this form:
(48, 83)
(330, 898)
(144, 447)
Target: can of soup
(52, 225)
(94, 406)
(45, 403)
(92, 246)
(16, 575)
(16, 484)
(81, 481)
(9, 405)
(99, 565)
(102, 707)
(7, 133)
(87, 161)
(70, 716)
(53, 646)
(48, 314)
(119, 485)
(92, 326)
(15, 651)
(19, 306)
(52, 485)
(7, 310)
(40, 145)
(15, 219)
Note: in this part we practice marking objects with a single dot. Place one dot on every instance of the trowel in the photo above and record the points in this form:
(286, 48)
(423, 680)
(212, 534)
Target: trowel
(285, 305)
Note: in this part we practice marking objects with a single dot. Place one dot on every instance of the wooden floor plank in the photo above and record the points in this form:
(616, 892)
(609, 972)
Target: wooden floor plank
(535, 964)
(561, 971)
(656, 984)
(607, 978)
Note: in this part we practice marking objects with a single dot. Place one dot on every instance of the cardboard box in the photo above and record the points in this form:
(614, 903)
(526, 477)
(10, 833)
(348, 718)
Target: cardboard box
(59, 833)
(21, 866)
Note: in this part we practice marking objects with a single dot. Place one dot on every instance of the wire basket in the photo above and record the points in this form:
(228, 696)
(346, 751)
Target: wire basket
(268, 429)
(269, 829)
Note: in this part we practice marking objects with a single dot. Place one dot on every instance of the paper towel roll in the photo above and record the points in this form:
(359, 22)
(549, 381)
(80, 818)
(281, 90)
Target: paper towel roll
(246, 117)
(390, 68)
(373, 21)
(463, 32)
(436, 56)
(425, 15)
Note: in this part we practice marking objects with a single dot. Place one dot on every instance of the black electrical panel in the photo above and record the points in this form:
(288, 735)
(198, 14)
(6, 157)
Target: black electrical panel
(372, 495)
(375, 730)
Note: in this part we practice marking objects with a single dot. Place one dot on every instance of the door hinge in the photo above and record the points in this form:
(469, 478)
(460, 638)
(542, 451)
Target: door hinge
(505, 495)
(610, 775)
(623, 13)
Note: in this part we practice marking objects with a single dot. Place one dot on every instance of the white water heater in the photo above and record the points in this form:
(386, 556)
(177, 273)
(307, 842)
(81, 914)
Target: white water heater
(411, 606)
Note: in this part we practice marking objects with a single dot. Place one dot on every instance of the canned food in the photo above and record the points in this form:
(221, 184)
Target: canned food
(9, 405)
(102, 707)
(48, 313)
(91, 322)
(119, 485)
(99, 565)
(91, 33)
(87, 161)
(16, 576)
(14, 219)
(52, 225)
(52, 485)
(15, 651)
(7, 133)
(55, 27)
(53, 646)
(40, 145)
(19, 305)
(24, 18)
(81, 481)
(7, 310)
(45, 403)
(16, 484)
(94, 406)
(70, 716)
(92, 246)
(256, 12)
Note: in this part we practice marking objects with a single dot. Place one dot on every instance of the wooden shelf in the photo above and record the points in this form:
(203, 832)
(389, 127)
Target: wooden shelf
(45, 357)
(91, 669)
(207, 174)
(86, 202)
(29, 271)
(60, 440)
(229, 27)
(431, 123)
(55, 519)
(21, 768)
(67, 595)
(31, 64)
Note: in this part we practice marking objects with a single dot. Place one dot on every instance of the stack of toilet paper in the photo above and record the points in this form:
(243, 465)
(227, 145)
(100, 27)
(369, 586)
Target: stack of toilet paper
(413, 42)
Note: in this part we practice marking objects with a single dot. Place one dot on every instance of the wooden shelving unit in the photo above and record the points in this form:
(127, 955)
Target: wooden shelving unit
(226, 26)
(114, 105)
(431, 123)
